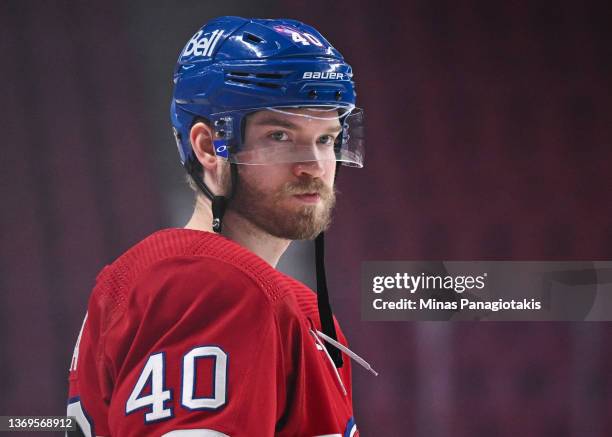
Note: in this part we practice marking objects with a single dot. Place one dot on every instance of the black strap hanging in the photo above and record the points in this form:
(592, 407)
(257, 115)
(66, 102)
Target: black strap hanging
(219, 203)
(325, 311)
(218, 209)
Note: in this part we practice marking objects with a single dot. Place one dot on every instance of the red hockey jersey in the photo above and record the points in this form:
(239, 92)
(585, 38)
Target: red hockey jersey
(188, 334)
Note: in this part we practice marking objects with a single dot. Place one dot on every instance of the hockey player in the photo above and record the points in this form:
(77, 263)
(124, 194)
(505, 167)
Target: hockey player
(193, 332)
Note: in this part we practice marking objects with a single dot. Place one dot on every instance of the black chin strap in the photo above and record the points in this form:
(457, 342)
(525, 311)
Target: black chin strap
(325, 311)
(219, 203)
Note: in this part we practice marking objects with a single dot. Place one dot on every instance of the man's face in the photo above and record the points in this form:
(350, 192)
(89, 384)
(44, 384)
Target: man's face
(288, 200)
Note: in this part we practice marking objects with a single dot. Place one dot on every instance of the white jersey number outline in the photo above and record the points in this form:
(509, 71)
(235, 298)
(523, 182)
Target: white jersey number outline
(153, 375)
(219, 395)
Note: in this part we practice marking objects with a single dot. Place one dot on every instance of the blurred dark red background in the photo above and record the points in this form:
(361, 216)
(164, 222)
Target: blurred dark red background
(489, 137)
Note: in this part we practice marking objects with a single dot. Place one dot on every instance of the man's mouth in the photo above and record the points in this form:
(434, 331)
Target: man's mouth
(308, 197)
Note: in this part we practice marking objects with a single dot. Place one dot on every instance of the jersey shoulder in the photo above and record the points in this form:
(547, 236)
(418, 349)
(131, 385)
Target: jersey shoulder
(184, 264)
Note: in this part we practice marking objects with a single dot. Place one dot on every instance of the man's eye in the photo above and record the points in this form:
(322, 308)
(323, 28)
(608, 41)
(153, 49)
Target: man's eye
(327, 140)
(279, 136)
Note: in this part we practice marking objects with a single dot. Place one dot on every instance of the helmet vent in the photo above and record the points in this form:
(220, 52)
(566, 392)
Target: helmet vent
(269, 85)
(275, 76)
(253, 83)
(270, 75)
(249, 37)
(265, 80)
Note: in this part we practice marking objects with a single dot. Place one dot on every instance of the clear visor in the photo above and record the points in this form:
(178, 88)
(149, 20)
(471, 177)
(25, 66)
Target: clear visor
(291, 134)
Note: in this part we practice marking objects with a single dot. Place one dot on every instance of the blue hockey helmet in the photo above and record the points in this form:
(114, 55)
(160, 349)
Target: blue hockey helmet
(234, 66)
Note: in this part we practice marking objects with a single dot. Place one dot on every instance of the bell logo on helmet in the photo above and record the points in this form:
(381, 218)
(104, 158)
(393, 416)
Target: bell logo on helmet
(202, 46)
(322, 75)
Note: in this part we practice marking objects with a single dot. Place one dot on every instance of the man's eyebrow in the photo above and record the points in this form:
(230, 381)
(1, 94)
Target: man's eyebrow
(280, 122)
(274, 121)
(335, 129)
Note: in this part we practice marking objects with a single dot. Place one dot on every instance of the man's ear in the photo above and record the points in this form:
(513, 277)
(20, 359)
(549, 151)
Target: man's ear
(201, 137)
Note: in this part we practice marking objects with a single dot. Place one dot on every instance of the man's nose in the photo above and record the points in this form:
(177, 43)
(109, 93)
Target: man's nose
(312, 168)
